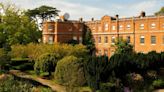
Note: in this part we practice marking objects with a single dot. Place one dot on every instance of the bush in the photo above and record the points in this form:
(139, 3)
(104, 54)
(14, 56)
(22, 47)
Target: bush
(158, 84)
(4, 58)
(19, 51)
(110, 87)
(46, 63)
(34, 51)
(69, 71)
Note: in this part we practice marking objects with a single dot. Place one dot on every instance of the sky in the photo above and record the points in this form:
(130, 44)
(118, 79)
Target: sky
(96, 9)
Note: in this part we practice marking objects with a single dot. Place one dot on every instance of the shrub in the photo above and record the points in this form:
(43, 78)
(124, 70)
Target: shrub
(110, 87)
(19, 51)
(158, 84)
(4, 58)
(96, 70)
(69, 71)
(46, 63)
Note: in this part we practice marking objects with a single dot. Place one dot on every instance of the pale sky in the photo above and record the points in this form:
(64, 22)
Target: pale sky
(95, 8)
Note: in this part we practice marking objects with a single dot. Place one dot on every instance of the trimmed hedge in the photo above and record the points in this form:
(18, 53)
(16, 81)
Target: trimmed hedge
(69, 71)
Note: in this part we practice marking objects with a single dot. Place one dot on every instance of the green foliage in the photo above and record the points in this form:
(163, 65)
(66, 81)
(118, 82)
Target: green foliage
(4, 58)
(46, 62)
(43, 12)
(96, 70)
(11, 84)
(33, 51)
(158, 84)
(160, 12)
(123, 47)
(16, 28)
(69, 71)
(110, 87)
(88, 40)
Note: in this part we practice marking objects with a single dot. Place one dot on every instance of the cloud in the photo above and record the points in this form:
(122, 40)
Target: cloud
(87, 9)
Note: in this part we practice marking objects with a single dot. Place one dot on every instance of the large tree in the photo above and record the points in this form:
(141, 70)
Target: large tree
(42, 13)
(16, 27)
(160, 12)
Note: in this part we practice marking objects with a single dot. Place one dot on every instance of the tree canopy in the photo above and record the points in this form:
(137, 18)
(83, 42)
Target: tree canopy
(160, 12)
(43, 12)
(16, 27)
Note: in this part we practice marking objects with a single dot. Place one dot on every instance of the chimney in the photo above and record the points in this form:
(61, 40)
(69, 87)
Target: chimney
(92, 19)
(116, 16)
(62, 17)
(81, 19)
(142, 14)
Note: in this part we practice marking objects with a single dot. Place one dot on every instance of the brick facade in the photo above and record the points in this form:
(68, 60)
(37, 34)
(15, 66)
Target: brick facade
(145, 33)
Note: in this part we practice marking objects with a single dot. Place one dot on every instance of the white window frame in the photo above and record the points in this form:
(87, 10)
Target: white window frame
(113, 27)
(142, 26)
(106, 26)
(112, 38)
(142, 37)
(121, 27)
(153, 25)
(50, 39)
(106, 39)
(74, 38)
(99, 39)
(128, 26)
(80, 39)
(155, 40)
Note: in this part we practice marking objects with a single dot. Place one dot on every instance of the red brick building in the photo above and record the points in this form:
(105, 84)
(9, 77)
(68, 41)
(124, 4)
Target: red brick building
(145, 33)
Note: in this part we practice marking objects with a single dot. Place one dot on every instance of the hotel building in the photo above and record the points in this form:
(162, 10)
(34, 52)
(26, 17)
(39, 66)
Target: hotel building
(145, 33)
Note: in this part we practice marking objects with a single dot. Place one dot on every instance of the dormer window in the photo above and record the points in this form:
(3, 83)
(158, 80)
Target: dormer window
(106, 26)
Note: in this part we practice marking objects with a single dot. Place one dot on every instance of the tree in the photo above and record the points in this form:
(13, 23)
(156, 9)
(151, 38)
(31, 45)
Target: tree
(96, 71)
(4, 58)
(160, 12)
(16, 28)
(46, 63)
(43, 12)
(123, 47)
(88, 40)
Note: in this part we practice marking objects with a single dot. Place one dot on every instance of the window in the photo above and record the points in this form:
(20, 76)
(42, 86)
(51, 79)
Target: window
(128, 26)
(99, 39)
(74, 38)
(163, 25)
(141, 26)
(142, 40)
(44, 39)
(153, 25)
(153, 39)
(93, 28)
(50, 39)
(106, 26)
(106, 52)
(121, 27)
(70, 29)
(128, 39)
(99, 29)
(80, 39)
(106, 39)
(50, 27)
(113, 40)
(113, 27)
(80, 29)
